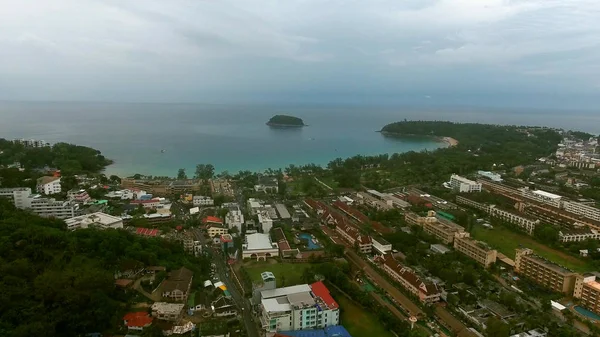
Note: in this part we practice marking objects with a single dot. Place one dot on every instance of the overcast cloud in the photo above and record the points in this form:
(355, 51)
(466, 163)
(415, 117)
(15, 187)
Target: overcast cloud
(339, 50)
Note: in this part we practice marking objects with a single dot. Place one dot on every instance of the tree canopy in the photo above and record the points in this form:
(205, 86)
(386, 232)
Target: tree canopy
(55, 282)
(285, 120)
(204, 171)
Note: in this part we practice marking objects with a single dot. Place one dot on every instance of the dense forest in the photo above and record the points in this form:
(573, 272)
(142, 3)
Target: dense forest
(481, 147)
(69, 158)
(54, 282)
(285, 120)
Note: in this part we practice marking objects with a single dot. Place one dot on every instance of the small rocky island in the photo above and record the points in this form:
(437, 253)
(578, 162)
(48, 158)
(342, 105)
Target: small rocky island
(286, 121)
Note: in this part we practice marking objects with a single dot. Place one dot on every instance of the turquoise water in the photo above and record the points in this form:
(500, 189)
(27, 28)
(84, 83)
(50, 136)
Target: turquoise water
(235, 137)
(311, 245)
(586, 313)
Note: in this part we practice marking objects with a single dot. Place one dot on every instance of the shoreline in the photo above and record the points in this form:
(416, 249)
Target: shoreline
(451, 142)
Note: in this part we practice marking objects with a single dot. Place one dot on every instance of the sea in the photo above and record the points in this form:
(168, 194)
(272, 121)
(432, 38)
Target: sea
(158, 139)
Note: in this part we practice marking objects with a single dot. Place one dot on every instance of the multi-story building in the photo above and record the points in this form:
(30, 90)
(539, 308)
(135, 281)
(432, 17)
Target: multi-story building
(202, 201)
(471, 203)
(48, 185)
(47, 208)
(31, 142)
(524, 221)
(477, 250)
(578, 208)
(544, 272)
(542, 196)
(298, 307)
(355, 238)
(265, 221)
(167, 311)
(18, 195)
(464, 185)
(381, 246)
(490, 175)
(234, 219)
(79, 196)
(441, 228)
(427, 292)
(580, 233)
(267, 185)
(97, 220)
(259, 246)
(587, 290)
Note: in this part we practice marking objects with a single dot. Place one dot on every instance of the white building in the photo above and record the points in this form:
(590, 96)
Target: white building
(524, 221)
(47, 208)
(259, 246)
(264, 219)
(97, 220)
(543, 197)
(578, 208)
(463, 185)
(254, 205)
(578, 234)
(202, 201)
(381, 246)
(531, 333)
(18, 195)
(490, 175)
(298, 308)
(234, 219)
(48, 185)
(31, 142)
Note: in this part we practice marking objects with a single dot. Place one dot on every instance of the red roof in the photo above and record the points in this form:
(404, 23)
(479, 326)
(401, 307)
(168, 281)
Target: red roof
(179, 228)
(146, 231)
(320, 290)
(212, 219)
(353, 212)
(137, 319)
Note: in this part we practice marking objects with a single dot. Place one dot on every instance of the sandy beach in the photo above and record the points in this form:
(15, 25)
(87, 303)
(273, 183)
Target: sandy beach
(450, 141)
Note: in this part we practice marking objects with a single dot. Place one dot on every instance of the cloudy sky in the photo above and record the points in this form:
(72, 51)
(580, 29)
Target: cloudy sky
(533, 52)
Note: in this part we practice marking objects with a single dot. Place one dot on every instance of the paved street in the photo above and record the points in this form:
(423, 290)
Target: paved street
(242, 303)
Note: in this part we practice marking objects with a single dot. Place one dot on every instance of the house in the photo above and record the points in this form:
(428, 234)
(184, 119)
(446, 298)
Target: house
(137, 320)
(267, 185)
(167, 311)
(48, 185)
(177, 285)
(223, 307)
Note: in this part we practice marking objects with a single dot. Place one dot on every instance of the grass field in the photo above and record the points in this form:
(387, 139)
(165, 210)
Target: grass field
(287, 274)
(328, 180)
(359, 322)
(506, 241)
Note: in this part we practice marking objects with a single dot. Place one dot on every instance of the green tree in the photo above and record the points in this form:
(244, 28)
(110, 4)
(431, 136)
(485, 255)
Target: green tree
(496, 328)
(181, 174)
(204, 171)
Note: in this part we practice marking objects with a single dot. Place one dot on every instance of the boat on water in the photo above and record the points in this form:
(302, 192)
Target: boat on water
(163, 151)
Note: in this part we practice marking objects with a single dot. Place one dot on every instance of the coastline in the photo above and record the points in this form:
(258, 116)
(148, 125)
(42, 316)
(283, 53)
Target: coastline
(285, 125)
(449, 141)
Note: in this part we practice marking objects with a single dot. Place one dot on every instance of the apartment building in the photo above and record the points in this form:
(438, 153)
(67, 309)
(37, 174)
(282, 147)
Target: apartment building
(442, 229)
(584, 210)
(18, 195)
(47, 208)
(234, 219)
(474, 204)
(544, 272)
(477, 250)
(524, 221)
(497, 187)
(298, 307)
(427, 292)
(543, 197)
(490, 175)
(580, 233)
(464, 185)
(354, 237)
(202, 201)
(587, 290)
(48, 185)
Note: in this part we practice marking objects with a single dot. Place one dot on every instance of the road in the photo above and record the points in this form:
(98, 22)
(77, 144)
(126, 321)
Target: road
(242, 303)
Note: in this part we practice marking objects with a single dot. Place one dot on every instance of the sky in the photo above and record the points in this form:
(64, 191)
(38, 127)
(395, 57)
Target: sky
(542, 53)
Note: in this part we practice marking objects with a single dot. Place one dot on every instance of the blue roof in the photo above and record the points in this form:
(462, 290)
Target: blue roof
(332, 331)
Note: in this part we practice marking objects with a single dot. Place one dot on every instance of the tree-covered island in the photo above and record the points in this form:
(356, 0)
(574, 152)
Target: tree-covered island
(286, 121)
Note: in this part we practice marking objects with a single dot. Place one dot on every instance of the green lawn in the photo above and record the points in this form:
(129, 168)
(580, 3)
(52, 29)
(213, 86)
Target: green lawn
(287, 274)
(328, 180)
(506, 241)
(358, 321)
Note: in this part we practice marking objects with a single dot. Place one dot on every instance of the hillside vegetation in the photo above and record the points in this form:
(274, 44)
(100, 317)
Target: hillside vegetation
(285, 120)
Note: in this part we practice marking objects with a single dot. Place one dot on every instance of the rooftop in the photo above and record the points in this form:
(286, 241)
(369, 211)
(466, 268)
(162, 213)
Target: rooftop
(46, 180)
(258, 241)
(320, 290)
(98, 219)
(285, 291)
(550, 265)
(547, 194)
(213, 219)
